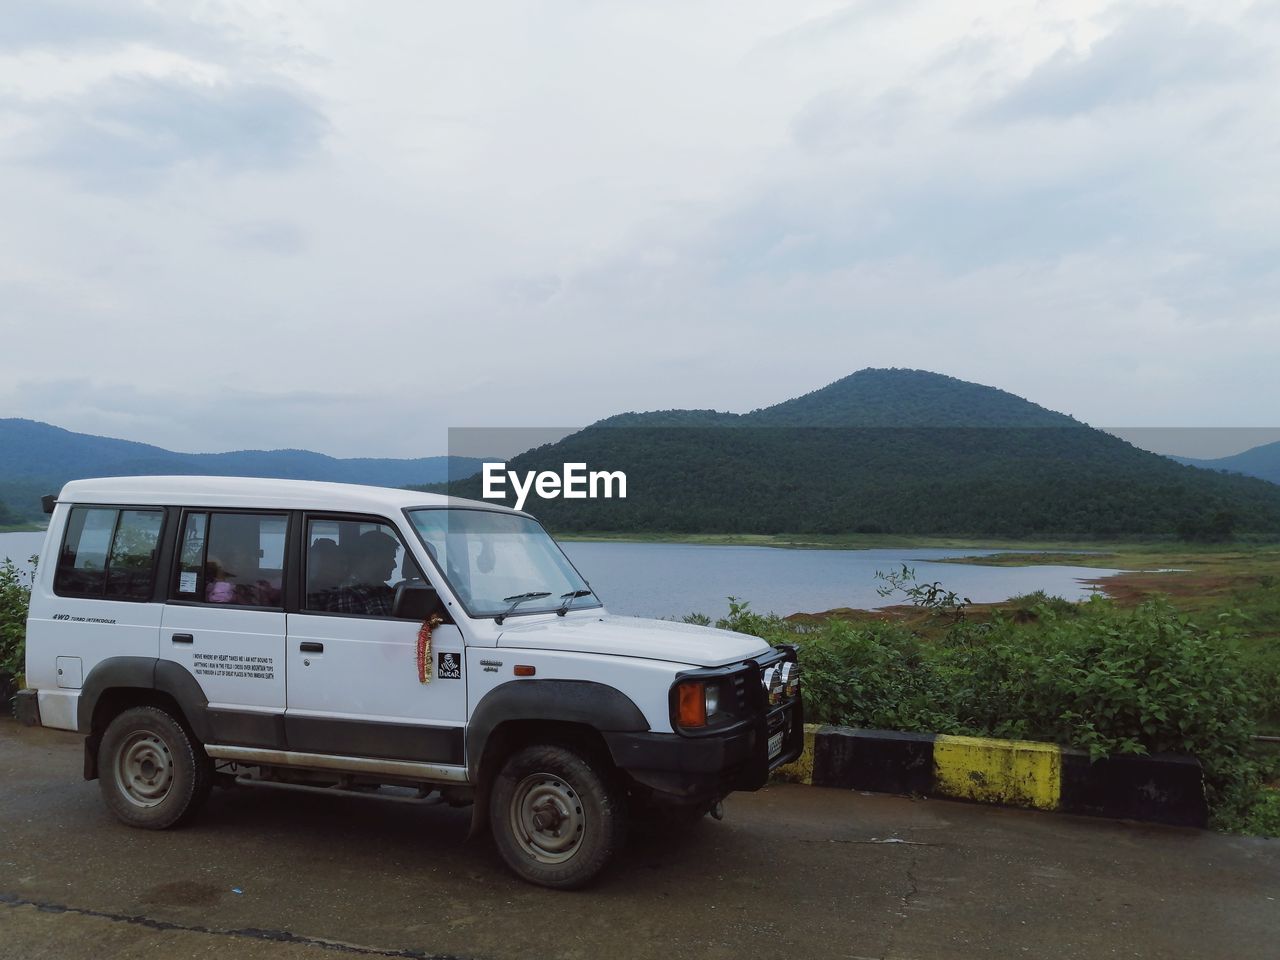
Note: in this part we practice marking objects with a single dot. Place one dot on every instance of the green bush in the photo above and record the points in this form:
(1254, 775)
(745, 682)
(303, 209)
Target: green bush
(15, 598)
(743, 619)
(1251, 809)
(1093, 676)
(877, 676)
(1027, 606)
(1112, 680)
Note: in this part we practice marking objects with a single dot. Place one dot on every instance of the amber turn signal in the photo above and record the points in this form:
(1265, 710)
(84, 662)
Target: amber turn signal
(691, 704)
(524, 670)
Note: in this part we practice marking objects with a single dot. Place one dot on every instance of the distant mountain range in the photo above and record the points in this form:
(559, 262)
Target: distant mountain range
(891, 451)
(879, 451)
(37, 458)
(1263, 461)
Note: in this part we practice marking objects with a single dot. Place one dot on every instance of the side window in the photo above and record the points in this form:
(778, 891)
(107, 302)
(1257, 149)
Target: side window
(131, 567)
(108, 552)
(354, 566)
(232, 558)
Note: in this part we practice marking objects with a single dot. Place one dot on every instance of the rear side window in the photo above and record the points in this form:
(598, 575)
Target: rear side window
(109, 552)
(231, 558)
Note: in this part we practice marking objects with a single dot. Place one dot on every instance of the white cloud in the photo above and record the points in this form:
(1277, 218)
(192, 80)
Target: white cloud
(522, 214)
(80, 24)
(1153, 53)
(129, 133)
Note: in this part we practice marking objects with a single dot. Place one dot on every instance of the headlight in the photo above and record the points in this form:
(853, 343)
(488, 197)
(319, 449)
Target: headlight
(697, 702)
(790, 680)
(772, 680)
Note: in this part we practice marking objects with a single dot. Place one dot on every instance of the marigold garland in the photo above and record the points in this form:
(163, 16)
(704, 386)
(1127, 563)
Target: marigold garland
(424, 647)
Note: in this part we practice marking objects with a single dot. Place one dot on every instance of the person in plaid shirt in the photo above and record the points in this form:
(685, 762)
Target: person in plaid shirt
(365, 588)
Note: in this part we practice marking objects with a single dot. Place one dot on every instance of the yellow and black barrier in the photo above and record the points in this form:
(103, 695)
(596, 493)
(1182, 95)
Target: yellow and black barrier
(1162, 789)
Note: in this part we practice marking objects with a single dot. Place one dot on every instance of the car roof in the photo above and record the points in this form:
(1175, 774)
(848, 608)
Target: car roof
(258, 493)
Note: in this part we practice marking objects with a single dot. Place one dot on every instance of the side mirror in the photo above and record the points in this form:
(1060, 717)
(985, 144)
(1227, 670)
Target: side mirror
(418, 601)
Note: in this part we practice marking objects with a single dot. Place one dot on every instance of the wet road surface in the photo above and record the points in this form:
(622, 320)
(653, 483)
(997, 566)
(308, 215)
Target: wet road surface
(792, 871)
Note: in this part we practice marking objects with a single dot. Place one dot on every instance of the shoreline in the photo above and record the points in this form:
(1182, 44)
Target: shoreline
(1195, 580)
(1076, 553)
(859, 541)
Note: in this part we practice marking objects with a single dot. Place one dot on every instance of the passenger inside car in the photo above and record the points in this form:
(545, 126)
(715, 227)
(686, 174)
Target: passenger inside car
(370, 562)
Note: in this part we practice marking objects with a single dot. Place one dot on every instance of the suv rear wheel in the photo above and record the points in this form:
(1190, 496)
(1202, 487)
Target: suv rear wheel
(151, 772)
(556, 819)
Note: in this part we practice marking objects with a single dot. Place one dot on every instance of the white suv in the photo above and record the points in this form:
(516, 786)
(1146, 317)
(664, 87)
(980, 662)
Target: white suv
(202, 629)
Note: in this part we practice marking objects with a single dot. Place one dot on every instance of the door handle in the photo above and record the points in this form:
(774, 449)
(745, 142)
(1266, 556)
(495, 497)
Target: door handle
(182, 638)
(308, 646)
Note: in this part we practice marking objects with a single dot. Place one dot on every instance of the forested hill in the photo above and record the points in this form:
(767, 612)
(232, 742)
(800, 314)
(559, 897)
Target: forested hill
(892, 451)
(873, 398)
(37, 458)
(1263, 461)
(907, 398)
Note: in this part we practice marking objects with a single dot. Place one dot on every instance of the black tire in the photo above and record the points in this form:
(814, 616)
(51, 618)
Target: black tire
(557, 818)
(151, 772)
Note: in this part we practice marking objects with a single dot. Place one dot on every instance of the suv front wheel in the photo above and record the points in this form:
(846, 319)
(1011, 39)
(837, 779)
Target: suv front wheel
(556, 820)
(151, 773)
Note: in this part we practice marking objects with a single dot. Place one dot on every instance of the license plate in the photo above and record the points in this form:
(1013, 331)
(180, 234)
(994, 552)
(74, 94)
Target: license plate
(775, 744)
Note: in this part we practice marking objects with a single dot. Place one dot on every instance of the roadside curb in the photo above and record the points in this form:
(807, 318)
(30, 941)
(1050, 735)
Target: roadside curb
(1023, 773)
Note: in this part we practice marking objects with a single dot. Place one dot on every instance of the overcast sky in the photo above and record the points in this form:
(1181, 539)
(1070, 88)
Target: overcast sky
(347, 227)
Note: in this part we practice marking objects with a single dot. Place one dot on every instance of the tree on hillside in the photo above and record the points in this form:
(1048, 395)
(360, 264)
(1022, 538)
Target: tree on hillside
(1220, 527)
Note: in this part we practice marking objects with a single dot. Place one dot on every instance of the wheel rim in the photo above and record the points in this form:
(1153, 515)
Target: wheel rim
(144, 769)
(547, 818)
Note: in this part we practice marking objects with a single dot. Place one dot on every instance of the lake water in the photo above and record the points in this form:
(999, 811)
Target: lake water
(672, 579)
(19, 546)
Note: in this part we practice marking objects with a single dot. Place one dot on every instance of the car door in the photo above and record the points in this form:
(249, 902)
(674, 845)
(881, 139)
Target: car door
(225, 623)
(353, 684)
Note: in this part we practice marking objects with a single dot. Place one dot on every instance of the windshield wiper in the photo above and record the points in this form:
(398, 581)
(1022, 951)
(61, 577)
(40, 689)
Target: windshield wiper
(516, 600)
(569, 597)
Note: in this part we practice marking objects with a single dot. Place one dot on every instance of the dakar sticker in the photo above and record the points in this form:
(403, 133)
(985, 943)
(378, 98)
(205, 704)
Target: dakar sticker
(449, 666)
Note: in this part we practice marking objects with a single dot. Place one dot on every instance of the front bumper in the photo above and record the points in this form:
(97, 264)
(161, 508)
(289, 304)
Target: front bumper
(695, 769)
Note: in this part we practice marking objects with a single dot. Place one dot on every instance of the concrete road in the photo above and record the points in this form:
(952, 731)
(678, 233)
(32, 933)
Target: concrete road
(792, 871)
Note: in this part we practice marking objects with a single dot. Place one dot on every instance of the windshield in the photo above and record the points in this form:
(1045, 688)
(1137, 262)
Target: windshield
(490, 559)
